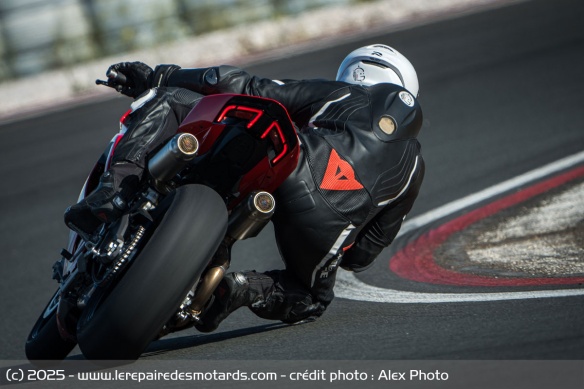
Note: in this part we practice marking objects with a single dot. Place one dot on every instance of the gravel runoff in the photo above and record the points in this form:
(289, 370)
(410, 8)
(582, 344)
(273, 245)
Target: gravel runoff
(239, 45)
(543, 237)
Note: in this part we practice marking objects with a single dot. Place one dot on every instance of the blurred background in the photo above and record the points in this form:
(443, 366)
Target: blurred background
(51, 51)
(39, 35)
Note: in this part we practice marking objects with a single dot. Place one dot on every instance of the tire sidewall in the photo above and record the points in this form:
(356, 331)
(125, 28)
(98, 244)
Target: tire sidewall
(158, 278)
(44, 343)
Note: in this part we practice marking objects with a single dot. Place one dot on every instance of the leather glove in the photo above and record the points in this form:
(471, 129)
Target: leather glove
(138, 77)
(141, 77)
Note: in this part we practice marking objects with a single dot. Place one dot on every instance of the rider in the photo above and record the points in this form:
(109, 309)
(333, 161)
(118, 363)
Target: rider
(359, 171)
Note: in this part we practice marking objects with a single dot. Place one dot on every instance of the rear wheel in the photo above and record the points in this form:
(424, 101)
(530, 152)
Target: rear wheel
(121, 324)
(44, 343)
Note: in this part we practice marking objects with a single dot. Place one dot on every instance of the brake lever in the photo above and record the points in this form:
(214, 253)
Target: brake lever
(115, 80)
(109, 84)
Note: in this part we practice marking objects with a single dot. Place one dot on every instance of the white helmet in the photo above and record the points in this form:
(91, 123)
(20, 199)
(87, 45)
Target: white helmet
(375, 64)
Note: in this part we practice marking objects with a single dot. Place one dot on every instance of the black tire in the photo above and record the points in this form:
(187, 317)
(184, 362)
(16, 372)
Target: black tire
(44, 343)
(122, 325)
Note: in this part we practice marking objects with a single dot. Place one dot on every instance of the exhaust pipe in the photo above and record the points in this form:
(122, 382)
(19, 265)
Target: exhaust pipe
(251, 216)
(173, 157)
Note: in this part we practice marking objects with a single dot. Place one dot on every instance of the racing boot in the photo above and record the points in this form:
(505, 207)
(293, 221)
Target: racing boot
(107, 202)
(234, 291)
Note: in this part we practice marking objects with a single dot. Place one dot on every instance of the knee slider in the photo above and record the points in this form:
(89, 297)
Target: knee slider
(303, 310)
(357, 263)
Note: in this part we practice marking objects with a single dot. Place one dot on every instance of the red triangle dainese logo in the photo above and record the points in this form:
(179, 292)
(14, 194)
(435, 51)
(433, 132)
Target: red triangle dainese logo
(339, 175)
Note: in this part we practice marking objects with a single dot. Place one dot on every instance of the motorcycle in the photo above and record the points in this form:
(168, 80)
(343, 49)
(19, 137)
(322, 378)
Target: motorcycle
(153, 271)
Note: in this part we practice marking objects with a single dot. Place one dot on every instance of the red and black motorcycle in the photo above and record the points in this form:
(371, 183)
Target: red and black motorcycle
(154, 270)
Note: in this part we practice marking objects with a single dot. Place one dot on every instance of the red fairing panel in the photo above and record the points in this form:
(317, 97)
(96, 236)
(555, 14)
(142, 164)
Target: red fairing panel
(267, 120)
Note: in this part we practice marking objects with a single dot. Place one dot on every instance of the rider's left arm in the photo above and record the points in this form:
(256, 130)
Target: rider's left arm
(380, 232)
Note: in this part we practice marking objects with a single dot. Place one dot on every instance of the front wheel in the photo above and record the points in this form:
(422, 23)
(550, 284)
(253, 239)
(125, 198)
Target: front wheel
(120, 325)
(44, 343)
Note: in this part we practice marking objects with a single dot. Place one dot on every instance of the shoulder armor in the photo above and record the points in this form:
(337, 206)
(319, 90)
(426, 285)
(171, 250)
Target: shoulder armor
(396, 114)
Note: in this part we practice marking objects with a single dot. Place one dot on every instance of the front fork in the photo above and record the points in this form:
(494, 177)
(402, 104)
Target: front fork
(245, 221)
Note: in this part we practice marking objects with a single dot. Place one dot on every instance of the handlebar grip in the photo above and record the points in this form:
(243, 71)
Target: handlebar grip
(116, 77)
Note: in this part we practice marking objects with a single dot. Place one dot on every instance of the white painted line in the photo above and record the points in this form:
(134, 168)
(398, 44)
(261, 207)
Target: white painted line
(350, 287)
(475, 198)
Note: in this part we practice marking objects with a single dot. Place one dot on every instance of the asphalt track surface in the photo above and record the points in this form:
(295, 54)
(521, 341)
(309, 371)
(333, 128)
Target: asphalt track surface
(502, 93)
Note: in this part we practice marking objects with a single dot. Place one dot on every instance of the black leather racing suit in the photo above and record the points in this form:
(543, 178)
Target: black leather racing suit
(359, 172)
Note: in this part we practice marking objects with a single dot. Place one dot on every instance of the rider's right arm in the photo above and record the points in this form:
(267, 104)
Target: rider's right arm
(296, 96)
(207, 81)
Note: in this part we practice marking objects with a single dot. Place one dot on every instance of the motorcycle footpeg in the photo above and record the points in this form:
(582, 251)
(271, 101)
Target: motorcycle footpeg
(185, 318)
(66, 254)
